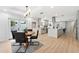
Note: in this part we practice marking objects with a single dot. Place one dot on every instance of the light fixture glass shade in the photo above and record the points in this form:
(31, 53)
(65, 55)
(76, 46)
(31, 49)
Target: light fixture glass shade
(27, 12)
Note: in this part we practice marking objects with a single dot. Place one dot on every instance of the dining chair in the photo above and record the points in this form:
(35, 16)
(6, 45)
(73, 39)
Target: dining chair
(34, 37)
(29, 29)
(20, 38)
(13, 34)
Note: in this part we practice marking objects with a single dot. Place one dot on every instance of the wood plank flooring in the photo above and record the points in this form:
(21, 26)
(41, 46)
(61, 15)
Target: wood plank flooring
(64, 44)
(5, 47)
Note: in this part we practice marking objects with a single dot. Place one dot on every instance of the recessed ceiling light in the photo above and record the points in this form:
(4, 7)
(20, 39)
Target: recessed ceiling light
(51, 6)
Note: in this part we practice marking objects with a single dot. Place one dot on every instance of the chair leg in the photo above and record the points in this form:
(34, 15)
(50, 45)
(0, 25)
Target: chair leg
(34, 43)
(21, 52)
(30, 41)
(15, 45)
(37, 44)
(18, 49)
(25, 50)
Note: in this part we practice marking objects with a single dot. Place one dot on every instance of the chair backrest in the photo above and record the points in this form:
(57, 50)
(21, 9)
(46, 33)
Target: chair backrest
(37, 33)
(20, 37)
(13, 34)
(29, 29)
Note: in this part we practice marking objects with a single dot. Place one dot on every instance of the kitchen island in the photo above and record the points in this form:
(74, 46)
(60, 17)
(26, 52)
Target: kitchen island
(55, 32)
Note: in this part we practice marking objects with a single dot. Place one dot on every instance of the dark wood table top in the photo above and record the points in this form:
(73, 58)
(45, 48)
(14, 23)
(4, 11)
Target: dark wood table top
(29, 33)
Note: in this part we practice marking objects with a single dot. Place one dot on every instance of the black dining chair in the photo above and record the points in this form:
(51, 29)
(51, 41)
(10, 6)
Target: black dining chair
(29, 29)
(20, 38)
(34, 37)
(13, 34)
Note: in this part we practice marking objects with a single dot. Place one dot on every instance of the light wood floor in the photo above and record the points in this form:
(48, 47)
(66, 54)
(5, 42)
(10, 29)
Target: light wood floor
(5, 47)
(64, 44)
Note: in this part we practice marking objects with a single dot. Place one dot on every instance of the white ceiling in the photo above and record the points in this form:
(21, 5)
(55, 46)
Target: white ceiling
(48, 12)
(66, 11)
(13, 10)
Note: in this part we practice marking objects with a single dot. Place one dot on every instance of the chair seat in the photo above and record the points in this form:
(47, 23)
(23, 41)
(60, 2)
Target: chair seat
(33, 37)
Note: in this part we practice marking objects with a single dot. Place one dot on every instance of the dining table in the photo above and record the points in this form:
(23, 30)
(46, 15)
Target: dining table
(28, 35)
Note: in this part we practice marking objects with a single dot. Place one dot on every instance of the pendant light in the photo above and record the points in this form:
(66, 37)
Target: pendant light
(28, 10)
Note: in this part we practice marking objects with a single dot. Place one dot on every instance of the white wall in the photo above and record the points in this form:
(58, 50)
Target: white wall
(5, 33)
(77, 26)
